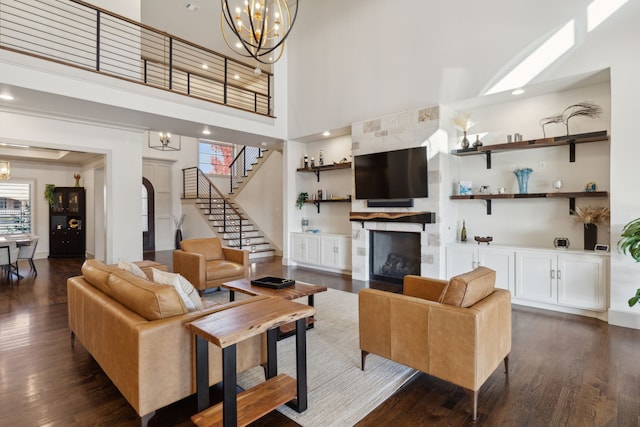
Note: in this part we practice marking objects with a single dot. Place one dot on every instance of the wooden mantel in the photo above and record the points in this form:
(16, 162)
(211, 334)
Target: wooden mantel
(409, 217)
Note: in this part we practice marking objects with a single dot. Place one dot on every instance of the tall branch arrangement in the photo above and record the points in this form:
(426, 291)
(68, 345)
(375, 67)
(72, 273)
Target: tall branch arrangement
(585, 109)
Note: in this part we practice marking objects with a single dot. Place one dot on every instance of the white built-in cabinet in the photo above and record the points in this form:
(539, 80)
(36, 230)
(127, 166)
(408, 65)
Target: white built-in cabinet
(548, 278)
(306, 248)
(325, 251)
(465, 257)
(569, 279)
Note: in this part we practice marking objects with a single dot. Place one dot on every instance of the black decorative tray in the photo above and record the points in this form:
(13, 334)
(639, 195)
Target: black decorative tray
(273, 282)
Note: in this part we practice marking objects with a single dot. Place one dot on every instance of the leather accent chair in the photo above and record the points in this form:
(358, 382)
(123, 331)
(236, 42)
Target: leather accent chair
(457, 330)
(206, 264)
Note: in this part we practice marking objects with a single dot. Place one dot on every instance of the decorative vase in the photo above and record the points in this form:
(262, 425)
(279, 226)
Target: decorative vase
(590, 236)
(178, 238)
(77, 182)
(477, 143)
(465, 142)
(522, 176)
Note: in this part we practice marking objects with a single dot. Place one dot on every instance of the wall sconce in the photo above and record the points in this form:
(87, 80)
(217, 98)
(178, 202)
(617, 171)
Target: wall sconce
(5, 170)
(166, 143)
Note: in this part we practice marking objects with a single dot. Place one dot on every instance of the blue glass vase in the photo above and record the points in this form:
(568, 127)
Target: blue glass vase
(523, 179)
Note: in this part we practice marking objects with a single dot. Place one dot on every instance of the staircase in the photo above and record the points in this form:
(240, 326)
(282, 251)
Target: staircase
(248, 160)
(225, 217)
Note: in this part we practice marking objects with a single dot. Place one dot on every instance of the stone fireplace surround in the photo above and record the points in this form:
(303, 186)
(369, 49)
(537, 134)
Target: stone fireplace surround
(398, 131)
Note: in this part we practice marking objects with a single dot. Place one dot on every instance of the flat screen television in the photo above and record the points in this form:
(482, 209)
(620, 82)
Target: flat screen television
(399, 174)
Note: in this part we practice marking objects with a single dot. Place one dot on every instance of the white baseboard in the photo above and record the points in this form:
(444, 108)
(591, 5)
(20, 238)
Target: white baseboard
(626, 319)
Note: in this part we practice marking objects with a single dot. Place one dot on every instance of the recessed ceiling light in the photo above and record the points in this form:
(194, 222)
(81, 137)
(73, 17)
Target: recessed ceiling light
(206, 131)
(205, 66)
(192, 7)
(326, 133)
(263, 143)
(236, 76)
(6, 97)
(518, 92)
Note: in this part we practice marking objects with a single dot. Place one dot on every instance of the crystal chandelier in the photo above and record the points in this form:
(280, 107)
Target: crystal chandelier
(259, 27)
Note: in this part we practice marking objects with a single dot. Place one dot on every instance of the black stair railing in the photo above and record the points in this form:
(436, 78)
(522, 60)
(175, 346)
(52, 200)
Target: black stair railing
(196, 185)
(244, 161)
(77, 34)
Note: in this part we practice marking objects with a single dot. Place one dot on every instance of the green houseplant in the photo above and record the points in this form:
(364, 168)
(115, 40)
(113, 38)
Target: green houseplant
(302, 197)
(48, 193)
(630, 242)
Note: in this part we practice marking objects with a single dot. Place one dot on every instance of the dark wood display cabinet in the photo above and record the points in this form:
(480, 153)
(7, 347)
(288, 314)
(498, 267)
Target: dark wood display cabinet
(67, 223)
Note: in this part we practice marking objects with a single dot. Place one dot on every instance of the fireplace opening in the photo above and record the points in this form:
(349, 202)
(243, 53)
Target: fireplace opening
(393, 255)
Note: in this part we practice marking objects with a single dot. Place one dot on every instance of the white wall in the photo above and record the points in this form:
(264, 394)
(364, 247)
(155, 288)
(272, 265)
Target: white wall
(389, 58)
(122, 150)
(532, 222)
(261, 199)
(176, 161)
(128, 8)
(333, 217)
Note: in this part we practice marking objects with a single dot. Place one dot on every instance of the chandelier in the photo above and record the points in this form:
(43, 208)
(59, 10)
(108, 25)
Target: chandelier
(5, 170)
(165, 142)
(259, 27)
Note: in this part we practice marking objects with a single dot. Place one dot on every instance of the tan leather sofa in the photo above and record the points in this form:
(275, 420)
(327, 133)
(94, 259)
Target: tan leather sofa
(207, 264)
(457, 330)
(135, 330)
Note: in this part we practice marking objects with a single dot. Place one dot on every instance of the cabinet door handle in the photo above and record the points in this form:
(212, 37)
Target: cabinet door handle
(559, 275)
(553, 274)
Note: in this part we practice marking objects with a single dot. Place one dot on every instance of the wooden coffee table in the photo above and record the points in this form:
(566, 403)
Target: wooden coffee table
(298, 290)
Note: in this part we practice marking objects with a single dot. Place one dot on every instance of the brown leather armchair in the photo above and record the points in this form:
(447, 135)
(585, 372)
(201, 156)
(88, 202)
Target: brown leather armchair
(457, 330)
(206, 264)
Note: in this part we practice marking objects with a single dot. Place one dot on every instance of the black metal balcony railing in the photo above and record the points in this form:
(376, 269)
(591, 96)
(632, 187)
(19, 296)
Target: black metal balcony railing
(78, 34)
(244, 161)
(221, 212)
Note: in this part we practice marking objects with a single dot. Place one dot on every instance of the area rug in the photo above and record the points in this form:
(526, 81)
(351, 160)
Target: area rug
(340, 393)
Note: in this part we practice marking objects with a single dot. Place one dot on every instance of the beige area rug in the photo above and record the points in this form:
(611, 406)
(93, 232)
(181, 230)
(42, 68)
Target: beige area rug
(340, 393)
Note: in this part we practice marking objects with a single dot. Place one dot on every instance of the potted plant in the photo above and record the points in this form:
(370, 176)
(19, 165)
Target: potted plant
(48, 193)
(630, 242)
(302, 197)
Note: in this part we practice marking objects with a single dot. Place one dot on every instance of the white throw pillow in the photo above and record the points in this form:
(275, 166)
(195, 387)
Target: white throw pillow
(132, 268)
(185, 289)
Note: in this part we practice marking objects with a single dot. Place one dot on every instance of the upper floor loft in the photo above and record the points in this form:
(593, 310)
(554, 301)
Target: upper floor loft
(77, 34)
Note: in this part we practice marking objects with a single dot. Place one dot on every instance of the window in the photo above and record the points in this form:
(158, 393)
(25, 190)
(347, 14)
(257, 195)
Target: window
(214, 157)
(15, 208)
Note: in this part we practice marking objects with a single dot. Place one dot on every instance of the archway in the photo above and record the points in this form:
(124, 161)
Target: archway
(148, 217)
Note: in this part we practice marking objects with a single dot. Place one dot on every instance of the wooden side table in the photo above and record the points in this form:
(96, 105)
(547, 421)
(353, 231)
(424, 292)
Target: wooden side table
(228, 327)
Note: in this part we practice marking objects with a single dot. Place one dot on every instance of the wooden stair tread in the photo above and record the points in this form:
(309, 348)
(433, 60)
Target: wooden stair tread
(253, 403)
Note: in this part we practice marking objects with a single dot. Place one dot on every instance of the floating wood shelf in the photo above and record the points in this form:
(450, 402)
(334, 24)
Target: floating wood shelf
(566, 195)
(318, 169)
(558, 141)
(408, 217)
(318, 202)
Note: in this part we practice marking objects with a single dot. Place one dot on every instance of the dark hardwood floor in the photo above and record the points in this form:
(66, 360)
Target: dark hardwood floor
(565, 370)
